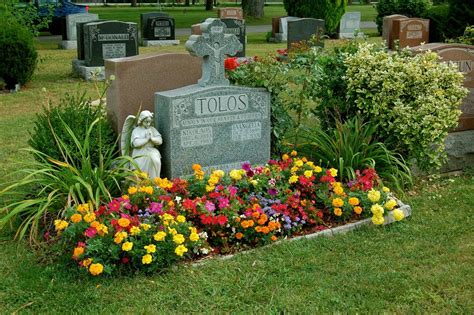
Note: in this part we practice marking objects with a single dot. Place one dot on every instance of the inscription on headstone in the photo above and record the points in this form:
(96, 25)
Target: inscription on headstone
(80, 38)
(111, 39)
(410, 32)
(213, 124)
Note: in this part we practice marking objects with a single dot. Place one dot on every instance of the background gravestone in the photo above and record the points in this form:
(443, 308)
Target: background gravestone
(303, 30)
(282, 36)
(350, 23)
(237, 27)
(410, 32)
(144, 18)
(70, 41)
(213, 124)
(230, 13)
(110, 39)
(196, 29)
(387, 28)
(159, 31)
(275, 26)
(80, 37)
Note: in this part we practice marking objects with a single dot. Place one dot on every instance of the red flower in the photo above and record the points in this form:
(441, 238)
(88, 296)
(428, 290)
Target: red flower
(125, 260)
(231, 63)
(222, 219)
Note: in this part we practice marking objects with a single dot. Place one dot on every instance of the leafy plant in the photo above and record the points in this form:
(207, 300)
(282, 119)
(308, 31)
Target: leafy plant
(353, 146)
(461, 15)
(438, 16)
(26, 15)
(410, 8)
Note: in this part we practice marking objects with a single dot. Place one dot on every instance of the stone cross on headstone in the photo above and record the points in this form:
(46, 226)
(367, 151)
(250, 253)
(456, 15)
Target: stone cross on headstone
(213, 45)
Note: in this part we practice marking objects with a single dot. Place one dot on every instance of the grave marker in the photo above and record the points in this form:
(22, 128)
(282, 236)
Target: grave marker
(349, 25)
(303, 30)
(230, 13)
(70, 41)
(410, 32)
(387, 28)
(237, 27)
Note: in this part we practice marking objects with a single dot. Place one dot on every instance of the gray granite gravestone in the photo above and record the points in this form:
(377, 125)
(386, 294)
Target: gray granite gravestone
(70, 42)
(237, 27)
(349, 25)
(282, 36)
(109, 39)
(303, 30)
(211, 123)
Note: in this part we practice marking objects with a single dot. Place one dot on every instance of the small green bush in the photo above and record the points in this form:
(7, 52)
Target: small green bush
(414, 99)
(438, 16)
(77, 113)
(410, 8)
(461, 15)
(330, 11)
(18, 57)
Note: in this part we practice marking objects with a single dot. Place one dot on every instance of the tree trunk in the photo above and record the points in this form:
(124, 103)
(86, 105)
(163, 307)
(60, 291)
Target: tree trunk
(186, 3)
(253, 8)
(194, 2)
(134, 3)
(209, 5)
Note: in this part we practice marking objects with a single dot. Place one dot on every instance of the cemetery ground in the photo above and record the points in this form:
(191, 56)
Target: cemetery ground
(422, 264)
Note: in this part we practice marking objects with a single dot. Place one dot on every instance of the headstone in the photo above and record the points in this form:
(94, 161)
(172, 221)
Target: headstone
(410, 32)
(237, 27)
(80, 38)
(303, 30)
(387, 28)
(137, 79)
(282, 36)
(230, 13)
(213, 124)
(109, 39)
(196, 29)
(349, 25)
(70, 42)
(159, 31)
(144, 18)
(275, 26)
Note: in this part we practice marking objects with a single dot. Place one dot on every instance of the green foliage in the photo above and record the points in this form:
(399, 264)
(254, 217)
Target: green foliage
(27, 15)
(75, 112)
(18, 57)
(330, 11)
(461, 15)
(352, 146)
(468, 36)
(438, 16)
(415, 100)
(410, 8)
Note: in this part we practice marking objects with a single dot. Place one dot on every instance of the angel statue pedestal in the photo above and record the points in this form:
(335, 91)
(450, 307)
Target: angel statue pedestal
(139, 140)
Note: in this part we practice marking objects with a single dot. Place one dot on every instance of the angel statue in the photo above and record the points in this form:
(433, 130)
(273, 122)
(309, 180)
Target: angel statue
(141, 141)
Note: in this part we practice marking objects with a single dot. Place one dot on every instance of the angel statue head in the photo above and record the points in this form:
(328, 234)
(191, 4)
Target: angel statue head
(145, 118)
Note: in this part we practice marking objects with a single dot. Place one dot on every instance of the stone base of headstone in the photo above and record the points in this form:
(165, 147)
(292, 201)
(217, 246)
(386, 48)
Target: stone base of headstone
(466, 122)
(88, 73)
(351, 35)
(68, 44)
(149, 43)
(460, 150)
(280, 38)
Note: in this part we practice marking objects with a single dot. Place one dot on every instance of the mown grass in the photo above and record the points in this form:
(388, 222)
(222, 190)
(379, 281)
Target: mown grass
(421, 265)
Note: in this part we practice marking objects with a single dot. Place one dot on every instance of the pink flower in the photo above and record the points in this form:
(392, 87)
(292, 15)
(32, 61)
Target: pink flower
(232, 191)
(223, 202)
(156, 207)
(90, 232)
(114, 205)
(210, 206)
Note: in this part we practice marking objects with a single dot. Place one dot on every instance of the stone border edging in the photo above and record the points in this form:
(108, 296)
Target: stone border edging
(324, 233)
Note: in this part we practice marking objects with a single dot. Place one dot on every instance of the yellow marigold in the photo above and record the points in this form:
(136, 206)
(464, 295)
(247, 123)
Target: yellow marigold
(386, 189)
(167, 217)
(119, 237)
(219, 173)
(285, 157)
(337, 202)
(333, 172)
(132, 190)
(213, 180)
(378, 220)
(196, 167)
(123, 222)
(373, 195)
(398, 214)
(299, 163)
(78, 251)
(338, 211)
(145, 226)
(294, 153)
(254, 182)
(338, 190)
(135, 230)
(87, 262)
(178, 239)
(210, 188)
(102, 229)
(199, 175)
(377, 210)
(308, 173)
(318, 169)
(160, 236)
(89, 217)
(125, 197)
(358, 210)
(94, 224)
(76, 218)
(310, 164)
(180, 250)
(354, 201)
(192, 229)
(147, 259)
(390, 204)
(172, 231)
(171, 203)
(83, 208)
(149, 190)
(293, 179)
(235, 174)
(127, 246)
(96, 269)
(163, 183)
(294, 169)
(150, 248)
(194, 237)
(181, 218)
(60, 225)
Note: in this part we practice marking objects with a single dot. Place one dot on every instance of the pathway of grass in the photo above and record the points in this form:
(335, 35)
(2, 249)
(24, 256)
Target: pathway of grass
(423, 265)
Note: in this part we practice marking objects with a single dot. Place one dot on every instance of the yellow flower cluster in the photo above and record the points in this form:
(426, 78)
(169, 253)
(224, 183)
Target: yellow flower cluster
(60, 225)
(214, 179)
(127, 246)
(236, 174)
(160, 236)
(96, 269)
(120, 236)
(377, 211)
(198, 172)
(163, 183)
(338, 189)
(146, 189)
(373, 195)
(180, 250)
(132, 190)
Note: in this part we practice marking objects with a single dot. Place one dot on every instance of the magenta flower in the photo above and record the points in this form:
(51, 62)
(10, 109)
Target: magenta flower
(210, 206)
(246, 167)
(114, 206)
(156, 207)
(232, 191)
(223, 202)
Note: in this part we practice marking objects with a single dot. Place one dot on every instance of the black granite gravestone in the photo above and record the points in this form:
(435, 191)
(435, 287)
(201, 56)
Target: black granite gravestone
(159, 28)
(80, 37)
(304, 29)
(144, 17)
(236, 27)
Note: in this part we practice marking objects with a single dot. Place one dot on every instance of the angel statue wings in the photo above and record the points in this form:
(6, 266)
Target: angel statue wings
(139, 140)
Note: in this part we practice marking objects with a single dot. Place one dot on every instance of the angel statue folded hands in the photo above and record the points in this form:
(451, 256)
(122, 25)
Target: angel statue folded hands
(141, 143)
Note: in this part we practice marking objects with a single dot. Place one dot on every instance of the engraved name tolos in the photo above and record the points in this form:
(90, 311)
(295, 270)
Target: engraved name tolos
(221, 104)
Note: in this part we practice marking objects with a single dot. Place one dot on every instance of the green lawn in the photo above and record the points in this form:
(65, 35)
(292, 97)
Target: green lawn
(421, 265)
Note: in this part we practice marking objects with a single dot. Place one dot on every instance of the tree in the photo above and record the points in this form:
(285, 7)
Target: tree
(253, 8)
(209, 5)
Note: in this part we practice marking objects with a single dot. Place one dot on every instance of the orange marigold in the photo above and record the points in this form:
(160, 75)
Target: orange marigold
(239, 236)
(274, 238)
(76, 218)
(358, 210)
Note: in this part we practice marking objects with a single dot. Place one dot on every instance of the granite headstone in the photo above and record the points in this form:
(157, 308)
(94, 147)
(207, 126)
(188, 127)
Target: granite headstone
(70, 41)
(303, 29)
(349, 25)
(237, 27)
(80, 37)
(410, 32)
(230, 13)
(282, 36)
(213, 124)
(387, 28)
(144, 18)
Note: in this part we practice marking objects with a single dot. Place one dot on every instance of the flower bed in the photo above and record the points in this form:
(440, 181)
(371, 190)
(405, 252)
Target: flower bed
(161, 221)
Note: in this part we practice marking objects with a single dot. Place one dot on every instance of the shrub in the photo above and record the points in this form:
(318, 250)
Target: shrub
(461, 15)
(410, 8)
(438, 16)
(468, 36)
(18, 56)
(76, 113)
(353, 146)
(414, 99)
(330, 11)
